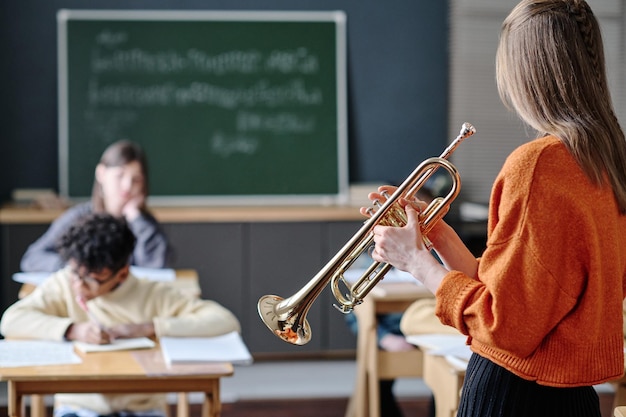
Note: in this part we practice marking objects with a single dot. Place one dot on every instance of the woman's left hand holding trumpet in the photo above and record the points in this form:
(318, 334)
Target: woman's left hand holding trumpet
(404, 248)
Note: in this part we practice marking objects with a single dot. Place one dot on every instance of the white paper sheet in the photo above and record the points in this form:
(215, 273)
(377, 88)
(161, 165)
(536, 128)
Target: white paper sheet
(394, 275)
(451, 346)
(15, 353)
(437, 341)
(152, 274)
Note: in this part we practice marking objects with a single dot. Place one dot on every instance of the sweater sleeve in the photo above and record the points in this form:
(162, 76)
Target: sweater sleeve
(152, 249)
(512, 305)
(42, 314)
(181, 315)
(42, 255)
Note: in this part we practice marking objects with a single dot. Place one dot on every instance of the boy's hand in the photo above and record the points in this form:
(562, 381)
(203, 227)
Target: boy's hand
(125, 331)
(88, 332)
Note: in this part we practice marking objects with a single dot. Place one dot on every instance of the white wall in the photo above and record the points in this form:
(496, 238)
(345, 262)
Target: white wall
(475, 28)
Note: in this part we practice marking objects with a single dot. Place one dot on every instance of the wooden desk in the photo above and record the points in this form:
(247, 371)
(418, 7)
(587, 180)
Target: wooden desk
(186, 281)
(372, 363)
(445, 381)
(620, 391)
(139, 371)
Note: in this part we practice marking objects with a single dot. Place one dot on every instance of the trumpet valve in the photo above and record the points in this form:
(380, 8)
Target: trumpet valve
(345, 309)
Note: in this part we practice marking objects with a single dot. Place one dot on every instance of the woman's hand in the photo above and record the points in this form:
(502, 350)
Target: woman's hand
(381, 196)
(437, 232)
(399, 246)
(404, 248)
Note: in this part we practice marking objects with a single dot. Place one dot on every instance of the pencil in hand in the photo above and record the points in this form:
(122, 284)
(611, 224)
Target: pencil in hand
(83, 304)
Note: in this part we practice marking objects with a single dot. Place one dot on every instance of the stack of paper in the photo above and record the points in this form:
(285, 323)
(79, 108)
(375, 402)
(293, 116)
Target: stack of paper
(226, 348)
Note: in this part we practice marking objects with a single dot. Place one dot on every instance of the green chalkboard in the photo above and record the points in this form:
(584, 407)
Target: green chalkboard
(232, 106)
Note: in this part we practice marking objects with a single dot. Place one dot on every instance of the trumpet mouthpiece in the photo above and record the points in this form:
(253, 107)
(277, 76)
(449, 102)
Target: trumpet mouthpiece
(467, 130)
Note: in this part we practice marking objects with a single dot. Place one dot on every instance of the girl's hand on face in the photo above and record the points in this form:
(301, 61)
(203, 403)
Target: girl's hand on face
(132, 208)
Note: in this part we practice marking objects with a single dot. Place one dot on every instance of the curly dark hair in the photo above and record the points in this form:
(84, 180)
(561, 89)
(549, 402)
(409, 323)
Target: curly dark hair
(97, 242)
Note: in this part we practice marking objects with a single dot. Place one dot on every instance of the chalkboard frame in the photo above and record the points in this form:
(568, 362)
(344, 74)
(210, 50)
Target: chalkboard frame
(340, 196)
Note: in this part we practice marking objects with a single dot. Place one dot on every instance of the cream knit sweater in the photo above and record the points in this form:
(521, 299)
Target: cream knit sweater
(51, 308)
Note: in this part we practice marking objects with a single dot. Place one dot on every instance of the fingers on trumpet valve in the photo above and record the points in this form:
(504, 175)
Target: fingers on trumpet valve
(375, 198)
(379, 198)
(384, 193)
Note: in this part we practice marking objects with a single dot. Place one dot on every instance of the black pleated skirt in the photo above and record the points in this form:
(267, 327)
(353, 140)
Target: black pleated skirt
(489, 390)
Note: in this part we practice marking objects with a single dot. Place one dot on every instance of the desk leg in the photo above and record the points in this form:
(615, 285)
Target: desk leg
(620, 393)
(212, 404)
(445, 383)
(37, 406)
(182, 407)
(365, 400)
(15, 406)
(357, 405)
(373, 382)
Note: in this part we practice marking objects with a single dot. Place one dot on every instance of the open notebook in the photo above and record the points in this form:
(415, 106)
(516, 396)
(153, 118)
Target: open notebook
(117, 344)
(226, 348)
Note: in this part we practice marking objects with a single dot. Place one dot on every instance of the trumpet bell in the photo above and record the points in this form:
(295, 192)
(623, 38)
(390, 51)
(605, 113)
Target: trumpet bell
(283, 327)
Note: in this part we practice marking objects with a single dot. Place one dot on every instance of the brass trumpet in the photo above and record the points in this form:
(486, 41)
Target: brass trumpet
(286, 318)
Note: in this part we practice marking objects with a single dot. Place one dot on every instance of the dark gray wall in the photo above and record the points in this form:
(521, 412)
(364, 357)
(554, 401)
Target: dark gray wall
(397, 72)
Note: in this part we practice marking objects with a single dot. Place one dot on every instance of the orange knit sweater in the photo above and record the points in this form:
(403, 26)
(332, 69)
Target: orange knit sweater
(547, 304)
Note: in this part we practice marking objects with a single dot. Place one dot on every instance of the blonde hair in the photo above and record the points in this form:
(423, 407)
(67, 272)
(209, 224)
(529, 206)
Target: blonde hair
(550, 70)
(119, 154)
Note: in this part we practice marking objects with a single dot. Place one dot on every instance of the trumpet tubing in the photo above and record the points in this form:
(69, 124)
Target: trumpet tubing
(286, 317)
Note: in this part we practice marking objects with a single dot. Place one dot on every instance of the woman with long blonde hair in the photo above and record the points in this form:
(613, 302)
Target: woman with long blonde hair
(542, 307)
